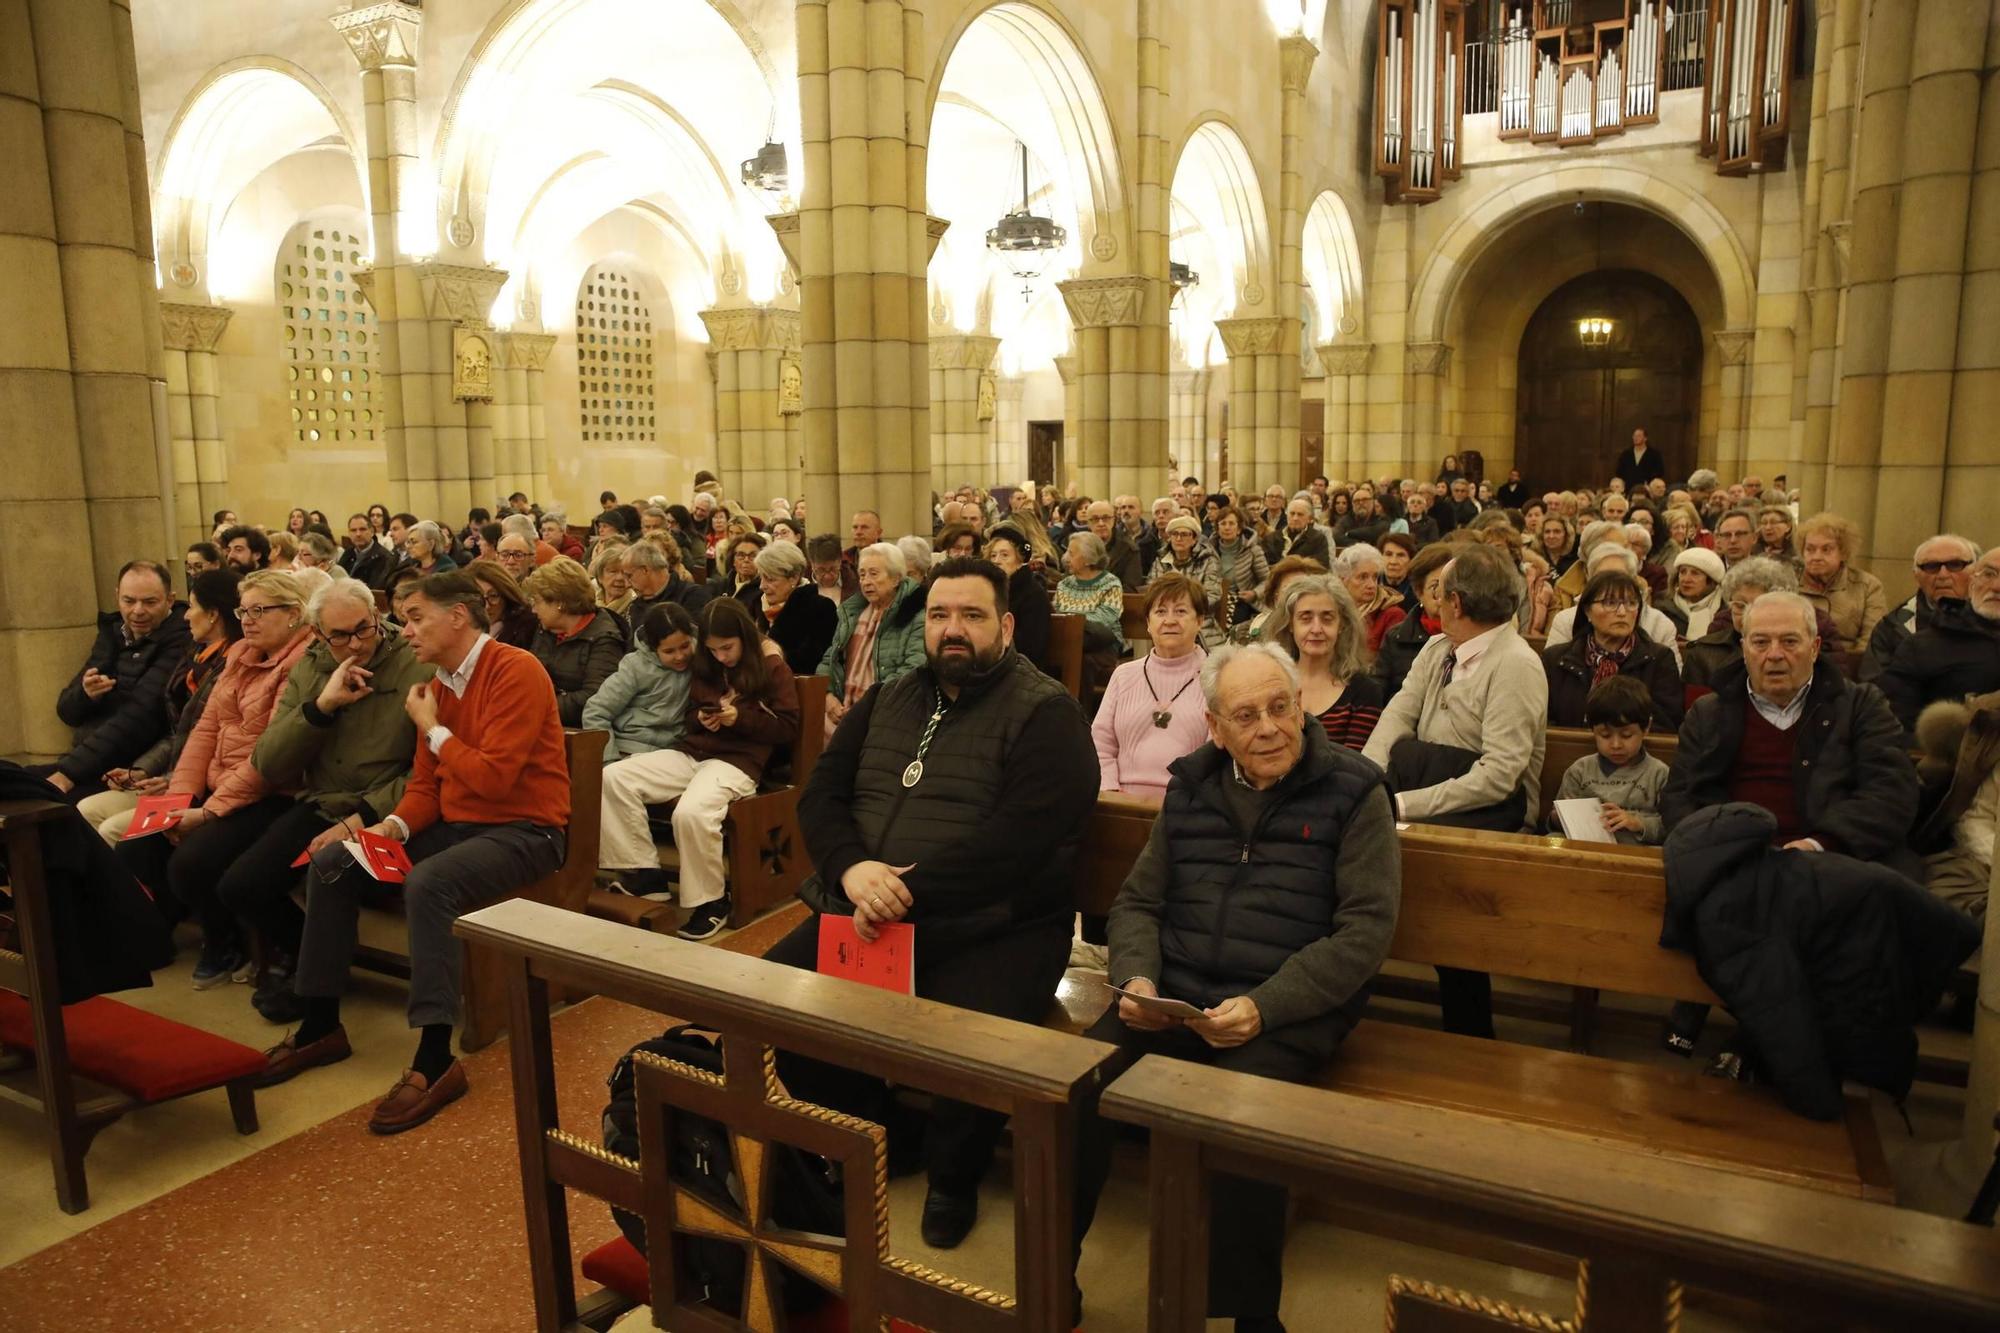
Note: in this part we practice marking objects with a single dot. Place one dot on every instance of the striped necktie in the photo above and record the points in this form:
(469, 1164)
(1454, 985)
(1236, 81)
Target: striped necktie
(1450, 665)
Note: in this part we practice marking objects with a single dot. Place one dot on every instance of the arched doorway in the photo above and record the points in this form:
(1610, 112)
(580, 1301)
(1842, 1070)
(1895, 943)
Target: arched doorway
(1577, 405)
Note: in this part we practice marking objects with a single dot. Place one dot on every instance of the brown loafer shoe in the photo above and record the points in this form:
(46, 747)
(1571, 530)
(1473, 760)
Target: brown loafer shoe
(288, 1059)
(413, 1101)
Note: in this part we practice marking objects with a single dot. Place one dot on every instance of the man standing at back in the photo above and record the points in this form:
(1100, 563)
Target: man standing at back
(486, 813)
(1638, 465)
(951, 798)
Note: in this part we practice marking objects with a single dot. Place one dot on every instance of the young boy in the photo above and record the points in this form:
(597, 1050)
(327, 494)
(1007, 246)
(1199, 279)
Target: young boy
(1621, 774)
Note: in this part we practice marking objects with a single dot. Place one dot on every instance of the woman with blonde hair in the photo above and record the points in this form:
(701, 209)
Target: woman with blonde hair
(1853, 599)
(578, 643)
(232, 807)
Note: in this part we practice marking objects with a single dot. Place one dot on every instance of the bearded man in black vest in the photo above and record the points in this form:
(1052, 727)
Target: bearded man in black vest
(951, 798)
(1266, 898)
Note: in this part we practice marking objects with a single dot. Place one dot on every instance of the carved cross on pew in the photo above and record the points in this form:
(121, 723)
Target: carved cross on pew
(1630, 1296)
(759, 1113)
(776, 853)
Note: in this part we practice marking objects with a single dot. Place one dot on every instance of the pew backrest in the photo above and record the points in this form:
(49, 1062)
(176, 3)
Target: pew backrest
(1566, 745)
(1066, 652)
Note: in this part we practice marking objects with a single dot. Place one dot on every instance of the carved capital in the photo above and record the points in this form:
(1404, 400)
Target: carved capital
(1096, 303)
(963, 351)
(193, 328)
(1066, 369)
(786, 226)
(364, 278)
(1252, 337)
(458, 293)
(934, 229)
(381, 35)
(1345, 358)
(527, 351)
(1295, 62)
(1733, 345)
(1428, 358)
(751, 329)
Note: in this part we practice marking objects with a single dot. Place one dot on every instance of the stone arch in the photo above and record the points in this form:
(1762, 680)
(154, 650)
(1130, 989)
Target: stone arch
(1059, 110)
(1462, 242)
(1332, 268)
(549, 52)
(1215, 179)
(239, 120)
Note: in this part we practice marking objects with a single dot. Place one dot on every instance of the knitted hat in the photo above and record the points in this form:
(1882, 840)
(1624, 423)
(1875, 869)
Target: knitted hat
(1183, 524)
(1703, 559)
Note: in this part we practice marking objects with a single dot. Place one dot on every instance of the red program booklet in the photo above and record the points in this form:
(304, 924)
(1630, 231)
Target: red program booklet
(384, 858)
(889, 961)
(157, 814)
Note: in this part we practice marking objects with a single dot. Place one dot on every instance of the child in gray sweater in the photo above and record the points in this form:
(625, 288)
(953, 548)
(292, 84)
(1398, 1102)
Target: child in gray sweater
(1621, 774)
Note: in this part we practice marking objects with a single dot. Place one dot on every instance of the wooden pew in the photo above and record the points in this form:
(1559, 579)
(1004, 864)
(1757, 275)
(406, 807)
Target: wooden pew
(1576, 914)
(100, 1058)
(1041, 1079)
(482, 991)
(1133, 620)
(1566, 745)
(1643, 1228)
(1066, 652)
(762, 844)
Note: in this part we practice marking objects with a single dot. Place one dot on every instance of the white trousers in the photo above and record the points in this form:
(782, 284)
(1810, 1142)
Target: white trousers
(704, 787)
(110, 813)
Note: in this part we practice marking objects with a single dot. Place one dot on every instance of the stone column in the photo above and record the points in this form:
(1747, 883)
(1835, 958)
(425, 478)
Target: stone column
(1824, 229)
(528, 356)
(1115, 449)
(757, 441)
(1957, 94)
(449, 315)
(511, 468)
(1010, 432)
(1261, 450)
(1346, 409)
(864, 245)
(1069, 371)
(82, 367)
(1295, 61)
(200, 463)
(384, 40)
(1187, 440)
(1733, 349)
(1139, 447)
(961, 443)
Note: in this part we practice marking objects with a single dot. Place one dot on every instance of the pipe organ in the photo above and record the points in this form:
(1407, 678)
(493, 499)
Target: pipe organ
(1572, 72)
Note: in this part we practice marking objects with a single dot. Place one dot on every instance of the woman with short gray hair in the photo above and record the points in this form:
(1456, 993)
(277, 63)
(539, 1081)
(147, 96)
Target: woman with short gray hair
(1093, 592)
(1747, 580)
(1360, 567)
(802, 627)
(424, 544)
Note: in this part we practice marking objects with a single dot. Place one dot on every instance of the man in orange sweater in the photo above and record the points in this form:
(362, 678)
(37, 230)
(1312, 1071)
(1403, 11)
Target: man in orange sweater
(485, 812)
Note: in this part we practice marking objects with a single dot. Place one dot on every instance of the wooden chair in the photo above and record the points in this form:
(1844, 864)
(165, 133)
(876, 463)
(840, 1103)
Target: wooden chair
(1636, 1231)
(124, 1057)
(482, 992)
(1040, 1079)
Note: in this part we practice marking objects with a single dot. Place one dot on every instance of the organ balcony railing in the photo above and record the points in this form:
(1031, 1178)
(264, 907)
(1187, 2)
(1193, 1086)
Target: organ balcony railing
(1573, 72)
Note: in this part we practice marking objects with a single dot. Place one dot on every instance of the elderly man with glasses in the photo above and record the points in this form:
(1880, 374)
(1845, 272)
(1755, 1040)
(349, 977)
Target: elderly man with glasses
(341, 739)
(1265, 897)
(1955, 656)
(1943, 569)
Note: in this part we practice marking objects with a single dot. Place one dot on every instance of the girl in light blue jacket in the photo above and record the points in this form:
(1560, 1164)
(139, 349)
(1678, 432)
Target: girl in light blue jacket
(644, 703)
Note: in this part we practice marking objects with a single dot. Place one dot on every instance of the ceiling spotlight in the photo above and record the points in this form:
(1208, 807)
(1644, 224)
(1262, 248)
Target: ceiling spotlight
(1026, 240)
(1181, 276)
(768, 170)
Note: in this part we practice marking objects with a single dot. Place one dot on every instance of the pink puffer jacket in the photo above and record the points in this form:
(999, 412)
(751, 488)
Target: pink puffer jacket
(216, 758)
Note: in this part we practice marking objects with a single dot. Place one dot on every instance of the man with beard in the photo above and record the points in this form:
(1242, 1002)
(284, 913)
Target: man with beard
(951, 798)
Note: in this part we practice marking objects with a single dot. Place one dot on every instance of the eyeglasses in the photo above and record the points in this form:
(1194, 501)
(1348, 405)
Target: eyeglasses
(1942, 566)
(246, 614)
(1281, 711)
(1986, 574)
(1616, 603)
(340, 638)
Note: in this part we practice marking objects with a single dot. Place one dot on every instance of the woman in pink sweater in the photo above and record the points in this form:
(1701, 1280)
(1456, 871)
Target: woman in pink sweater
(232, 808)
(1152, 712)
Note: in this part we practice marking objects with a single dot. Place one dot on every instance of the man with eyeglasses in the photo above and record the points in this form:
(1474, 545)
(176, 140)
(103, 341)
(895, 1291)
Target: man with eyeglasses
(1823, 754)
(341, 739)
(1266, 898)
(1943, 569)
(117, 700)
(1956, 655)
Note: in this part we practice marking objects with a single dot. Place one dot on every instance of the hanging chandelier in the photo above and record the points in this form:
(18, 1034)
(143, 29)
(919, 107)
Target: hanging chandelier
(1027, 241)
(1594, 331)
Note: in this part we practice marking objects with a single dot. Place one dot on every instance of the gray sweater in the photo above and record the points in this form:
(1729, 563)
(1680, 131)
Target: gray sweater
(1635, 787)
(1319, 978)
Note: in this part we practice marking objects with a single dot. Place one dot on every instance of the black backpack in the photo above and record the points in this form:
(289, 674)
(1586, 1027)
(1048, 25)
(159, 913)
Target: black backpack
(806, 1191)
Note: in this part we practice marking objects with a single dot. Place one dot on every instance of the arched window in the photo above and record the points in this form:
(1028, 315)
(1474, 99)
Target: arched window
(614, 358)
(326, 337)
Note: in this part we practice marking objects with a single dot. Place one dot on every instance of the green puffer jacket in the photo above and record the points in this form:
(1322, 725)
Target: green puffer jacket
(899, 639)
(354, 760)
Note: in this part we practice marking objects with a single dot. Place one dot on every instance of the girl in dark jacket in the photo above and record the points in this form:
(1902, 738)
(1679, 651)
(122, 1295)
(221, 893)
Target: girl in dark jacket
(1610, 604)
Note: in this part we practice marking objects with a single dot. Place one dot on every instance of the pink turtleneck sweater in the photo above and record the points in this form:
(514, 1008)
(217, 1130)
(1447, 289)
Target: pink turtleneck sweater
(1132, 753)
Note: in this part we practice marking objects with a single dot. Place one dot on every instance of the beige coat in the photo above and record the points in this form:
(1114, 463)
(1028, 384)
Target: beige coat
(1854, 602)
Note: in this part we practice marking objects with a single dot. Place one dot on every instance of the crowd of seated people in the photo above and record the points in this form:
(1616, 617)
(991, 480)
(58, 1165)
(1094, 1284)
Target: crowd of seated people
(1424, 630)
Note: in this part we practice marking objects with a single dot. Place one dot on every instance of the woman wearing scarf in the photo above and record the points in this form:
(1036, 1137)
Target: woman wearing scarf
(1408, 636)
(1696, 591)
(1360, 567)
(1613, 647)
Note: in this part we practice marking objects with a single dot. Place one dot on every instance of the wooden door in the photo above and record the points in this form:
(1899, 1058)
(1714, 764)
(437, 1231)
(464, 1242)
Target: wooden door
(1576, 407)
(1045, 451)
